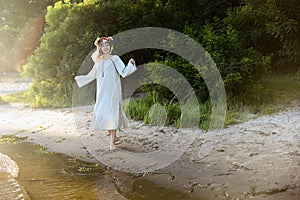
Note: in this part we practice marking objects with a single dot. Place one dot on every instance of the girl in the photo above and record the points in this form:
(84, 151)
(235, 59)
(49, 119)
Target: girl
(108, 113)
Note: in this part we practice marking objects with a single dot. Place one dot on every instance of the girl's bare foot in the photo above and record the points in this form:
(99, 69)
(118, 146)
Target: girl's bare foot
(112, 146)
(117, 140)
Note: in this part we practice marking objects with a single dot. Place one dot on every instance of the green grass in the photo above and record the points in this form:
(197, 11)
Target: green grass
(11, 139)
(166, 113)
(18, 97)
(136, 109)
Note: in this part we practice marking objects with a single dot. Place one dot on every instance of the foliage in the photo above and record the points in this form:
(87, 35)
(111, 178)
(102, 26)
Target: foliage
(242, 68)
(271, 26)
(21, 24)
(247, 40)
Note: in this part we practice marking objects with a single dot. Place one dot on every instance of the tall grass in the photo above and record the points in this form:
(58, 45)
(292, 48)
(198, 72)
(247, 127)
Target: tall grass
(136, 109)
(152, 111)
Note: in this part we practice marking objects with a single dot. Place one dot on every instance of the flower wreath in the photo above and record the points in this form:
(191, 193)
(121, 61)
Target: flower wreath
(103, 40)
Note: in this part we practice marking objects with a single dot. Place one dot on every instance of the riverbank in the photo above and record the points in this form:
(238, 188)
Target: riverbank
(258, 159)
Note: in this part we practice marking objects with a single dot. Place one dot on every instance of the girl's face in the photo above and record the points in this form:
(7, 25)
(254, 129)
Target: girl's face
(105, 48)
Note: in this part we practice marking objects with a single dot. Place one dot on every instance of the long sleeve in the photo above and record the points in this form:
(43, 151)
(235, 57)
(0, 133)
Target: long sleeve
(85, 79)
(122, 69)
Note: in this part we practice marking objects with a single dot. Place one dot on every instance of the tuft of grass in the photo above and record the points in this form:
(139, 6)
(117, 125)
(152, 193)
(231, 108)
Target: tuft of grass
(43, 150)
(84, 169)
(137, 109)
(11, 139)
(167, 113)
(18, 97)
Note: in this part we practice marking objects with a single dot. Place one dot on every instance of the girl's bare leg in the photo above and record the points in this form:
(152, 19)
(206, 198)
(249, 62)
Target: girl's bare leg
(113, 134)
(108, 133)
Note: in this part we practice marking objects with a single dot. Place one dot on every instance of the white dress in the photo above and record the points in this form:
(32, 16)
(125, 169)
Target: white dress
(108, 113)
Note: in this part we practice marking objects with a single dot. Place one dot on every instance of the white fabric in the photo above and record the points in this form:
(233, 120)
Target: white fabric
(108, 112)
(95, 55)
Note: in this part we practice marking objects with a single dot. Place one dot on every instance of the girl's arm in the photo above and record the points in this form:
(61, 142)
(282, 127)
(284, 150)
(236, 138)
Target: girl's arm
(122, 69)
(85, 79)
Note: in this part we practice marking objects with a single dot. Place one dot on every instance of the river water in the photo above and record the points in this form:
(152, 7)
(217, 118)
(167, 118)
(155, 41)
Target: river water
(46, 175)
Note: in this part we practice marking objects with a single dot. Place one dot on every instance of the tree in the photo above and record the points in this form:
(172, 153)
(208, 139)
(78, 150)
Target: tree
(21, 24)
(272, 27)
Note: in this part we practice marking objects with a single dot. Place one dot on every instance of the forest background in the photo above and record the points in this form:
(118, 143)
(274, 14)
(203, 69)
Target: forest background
(251, 42)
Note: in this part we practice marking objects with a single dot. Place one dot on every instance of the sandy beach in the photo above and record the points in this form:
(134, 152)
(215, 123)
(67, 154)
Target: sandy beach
(257, 159)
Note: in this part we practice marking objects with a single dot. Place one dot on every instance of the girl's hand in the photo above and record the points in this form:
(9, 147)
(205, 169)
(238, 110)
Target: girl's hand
(132, 61)
(96, 43)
